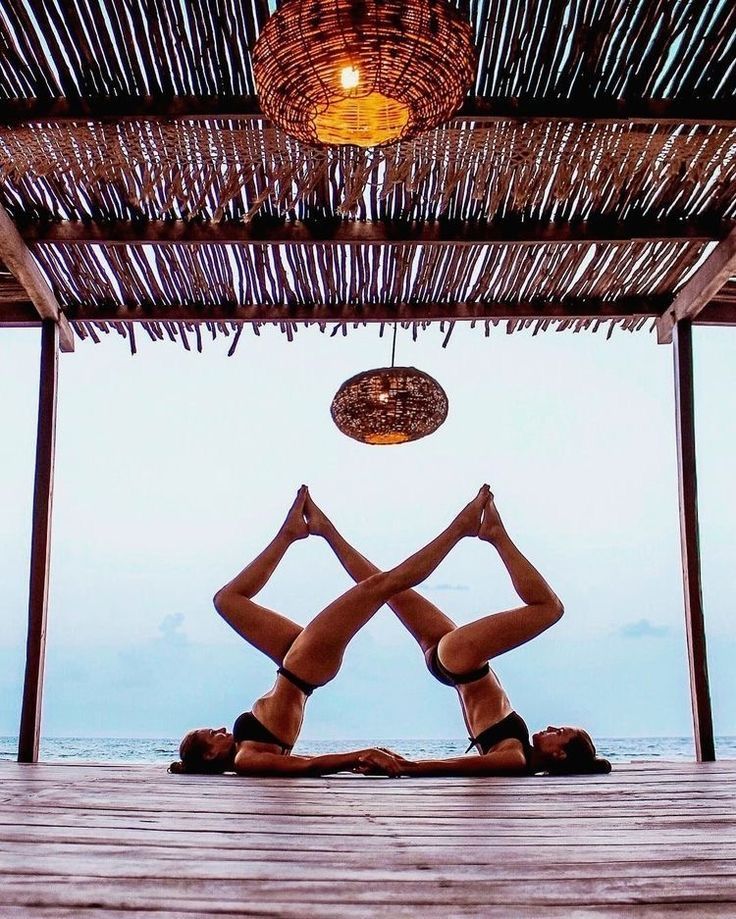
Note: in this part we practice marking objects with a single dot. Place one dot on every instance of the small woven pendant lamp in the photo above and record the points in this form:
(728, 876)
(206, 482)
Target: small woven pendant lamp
(389, 405)
(362, 72)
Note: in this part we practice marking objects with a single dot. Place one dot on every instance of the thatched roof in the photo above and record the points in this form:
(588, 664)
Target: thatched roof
(588, 179)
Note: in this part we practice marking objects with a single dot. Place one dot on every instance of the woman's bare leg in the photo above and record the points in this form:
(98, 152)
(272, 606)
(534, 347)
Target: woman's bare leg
(266, 630)
(471, 645)
(421, 618)
(317, 653)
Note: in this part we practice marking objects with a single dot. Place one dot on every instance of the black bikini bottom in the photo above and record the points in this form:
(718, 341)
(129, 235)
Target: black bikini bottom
(306, 688)
(452, 679)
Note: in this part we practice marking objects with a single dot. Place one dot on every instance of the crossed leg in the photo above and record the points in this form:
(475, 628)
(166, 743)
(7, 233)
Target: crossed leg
(315, 652)
(465, 648)
(270, 632)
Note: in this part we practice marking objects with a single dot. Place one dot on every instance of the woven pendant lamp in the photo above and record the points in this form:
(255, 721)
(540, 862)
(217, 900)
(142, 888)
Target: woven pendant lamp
(389, 405)
(363, 72)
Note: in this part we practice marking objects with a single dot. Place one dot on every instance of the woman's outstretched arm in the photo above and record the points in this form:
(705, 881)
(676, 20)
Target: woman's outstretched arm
(370, 760)
(501, 762)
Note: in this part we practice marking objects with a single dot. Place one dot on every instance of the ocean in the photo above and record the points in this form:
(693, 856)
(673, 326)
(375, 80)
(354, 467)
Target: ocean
(164, 749)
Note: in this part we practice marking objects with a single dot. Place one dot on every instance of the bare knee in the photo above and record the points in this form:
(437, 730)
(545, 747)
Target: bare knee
(556, 610)
(221, 601)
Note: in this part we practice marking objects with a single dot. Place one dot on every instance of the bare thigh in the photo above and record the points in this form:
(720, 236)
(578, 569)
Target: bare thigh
(269, 631)
(422, 619)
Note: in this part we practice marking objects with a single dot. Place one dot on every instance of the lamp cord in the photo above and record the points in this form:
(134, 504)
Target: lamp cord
(393, 346)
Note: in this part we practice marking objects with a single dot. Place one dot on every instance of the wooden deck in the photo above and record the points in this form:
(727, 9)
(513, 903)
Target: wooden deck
(647, 841)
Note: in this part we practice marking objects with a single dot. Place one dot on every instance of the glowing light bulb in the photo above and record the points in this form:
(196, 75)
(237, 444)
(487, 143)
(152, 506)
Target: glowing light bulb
(349, 77)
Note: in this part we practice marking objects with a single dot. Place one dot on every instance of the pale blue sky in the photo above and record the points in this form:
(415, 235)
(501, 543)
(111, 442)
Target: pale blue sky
(173, 468)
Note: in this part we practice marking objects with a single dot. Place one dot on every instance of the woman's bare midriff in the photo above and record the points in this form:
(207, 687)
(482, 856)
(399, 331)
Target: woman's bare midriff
(484, 703)
(281, 710)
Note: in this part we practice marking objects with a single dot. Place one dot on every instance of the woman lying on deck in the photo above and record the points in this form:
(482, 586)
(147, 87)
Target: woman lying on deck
(459, 657)
(307, 658)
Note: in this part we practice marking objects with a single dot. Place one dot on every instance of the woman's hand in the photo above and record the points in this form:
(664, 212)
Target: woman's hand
(375, 761)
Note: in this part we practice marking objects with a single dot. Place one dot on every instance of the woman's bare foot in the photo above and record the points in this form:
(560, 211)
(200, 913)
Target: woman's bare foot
(318, 522)
(491, 528)
(469, 519)
(295, 526)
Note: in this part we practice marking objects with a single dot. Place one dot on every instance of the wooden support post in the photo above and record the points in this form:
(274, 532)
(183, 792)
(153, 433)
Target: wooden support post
(30, 721)
(690, 543)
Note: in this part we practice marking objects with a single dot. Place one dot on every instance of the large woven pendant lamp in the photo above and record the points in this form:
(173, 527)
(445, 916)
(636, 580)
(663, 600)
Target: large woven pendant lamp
(389, 405)
(362, 72)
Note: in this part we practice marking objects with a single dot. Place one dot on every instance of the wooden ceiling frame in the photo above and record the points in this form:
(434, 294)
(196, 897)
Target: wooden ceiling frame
(336, 231)
(16, 255)
(703, 112)
(701, 288)
(22, 314)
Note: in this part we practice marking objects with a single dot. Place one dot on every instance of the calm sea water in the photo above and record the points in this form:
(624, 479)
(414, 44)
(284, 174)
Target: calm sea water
(164, 749)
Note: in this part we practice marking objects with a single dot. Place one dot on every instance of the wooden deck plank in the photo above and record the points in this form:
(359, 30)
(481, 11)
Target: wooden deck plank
(649, 841)
(348, 911)
(180, 894)
(124, 862)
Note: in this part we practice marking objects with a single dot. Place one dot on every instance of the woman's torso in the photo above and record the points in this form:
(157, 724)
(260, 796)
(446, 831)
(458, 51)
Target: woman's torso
(281, 710)
(484, 703)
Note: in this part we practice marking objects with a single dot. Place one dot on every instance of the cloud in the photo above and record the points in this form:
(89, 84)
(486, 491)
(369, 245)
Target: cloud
(447, 587)
(170, 629)
(643, 628)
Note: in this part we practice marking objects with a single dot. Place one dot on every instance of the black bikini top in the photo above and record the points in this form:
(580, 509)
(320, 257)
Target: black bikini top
(512, 727)
(248, 727)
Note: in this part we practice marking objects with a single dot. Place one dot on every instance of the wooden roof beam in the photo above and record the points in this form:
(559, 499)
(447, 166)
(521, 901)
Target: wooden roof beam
(10, 290)
(19, 261)
(701, 288)
(23, 315)
(593, 308)
(116, 108)
(273, 231)
(727, 294)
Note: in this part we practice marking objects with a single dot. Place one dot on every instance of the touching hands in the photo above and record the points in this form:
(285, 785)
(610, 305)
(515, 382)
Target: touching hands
(379, 761)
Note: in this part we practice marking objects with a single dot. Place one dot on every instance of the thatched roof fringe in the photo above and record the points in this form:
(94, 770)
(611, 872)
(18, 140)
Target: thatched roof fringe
(216, 171)
(177, 331)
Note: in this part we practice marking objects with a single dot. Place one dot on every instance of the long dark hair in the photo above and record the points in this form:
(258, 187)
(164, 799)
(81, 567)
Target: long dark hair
(195, 758)
(580, 758)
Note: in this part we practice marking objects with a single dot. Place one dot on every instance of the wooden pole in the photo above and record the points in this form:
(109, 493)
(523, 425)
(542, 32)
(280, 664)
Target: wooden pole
(30, 720)
(690, 542)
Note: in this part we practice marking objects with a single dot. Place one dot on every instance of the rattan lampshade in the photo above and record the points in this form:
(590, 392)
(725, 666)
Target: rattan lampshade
(389, 405)
(363, 72)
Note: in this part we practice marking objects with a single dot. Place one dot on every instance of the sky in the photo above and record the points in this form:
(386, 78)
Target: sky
(175, 468)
